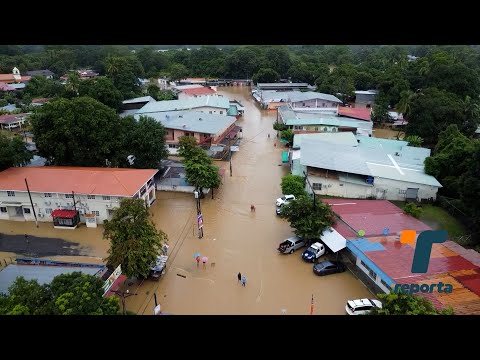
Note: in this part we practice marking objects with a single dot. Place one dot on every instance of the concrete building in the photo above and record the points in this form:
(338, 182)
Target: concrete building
(44, 73)
(195, 92)
(373, 168)
(301, 122)
(12, 121)
(365, 98)
(204, 127)
(207, 104)
(83, 190)
(309, 101)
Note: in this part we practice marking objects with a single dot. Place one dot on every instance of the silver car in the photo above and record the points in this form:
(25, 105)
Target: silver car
(291, 244)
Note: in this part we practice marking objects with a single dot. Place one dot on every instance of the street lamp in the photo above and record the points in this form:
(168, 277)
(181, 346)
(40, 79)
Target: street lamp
(123, 296)
(311, 188)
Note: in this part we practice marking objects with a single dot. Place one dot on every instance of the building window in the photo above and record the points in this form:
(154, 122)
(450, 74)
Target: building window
(323, 104)
(166, 132)
(106, 197)
(48, 211)
(221, 112)
(47, 195)
(96, 213)
(68, 196)
(10, 193)
(371, 273)
(388, 286)
(206, 136)
(3, 209)
(172, 146)
(303, 104)
(26, 211)
(325, 129)
(316, 128)
(317, 186)
(402, 192)
(210, 111)
(91, 197)
(334, 129)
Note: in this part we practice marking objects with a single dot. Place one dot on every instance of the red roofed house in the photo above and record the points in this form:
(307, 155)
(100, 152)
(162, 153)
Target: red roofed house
(201, 91)
(359, 113)
(12, 121)
(14, 77)
(69, 195)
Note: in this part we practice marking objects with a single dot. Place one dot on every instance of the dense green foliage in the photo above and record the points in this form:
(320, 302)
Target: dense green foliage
(412, 209)
(135, 242)
(405, 304)
(13, 152)
(308, 221)
(293, 185)
(68, 294)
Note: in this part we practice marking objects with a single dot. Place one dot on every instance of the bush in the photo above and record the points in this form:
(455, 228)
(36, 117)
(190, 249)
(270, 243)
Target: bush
(412, 209)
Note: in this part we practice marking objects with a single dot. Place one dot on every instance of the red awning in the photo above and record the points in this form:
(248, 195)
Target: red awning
(65, 214)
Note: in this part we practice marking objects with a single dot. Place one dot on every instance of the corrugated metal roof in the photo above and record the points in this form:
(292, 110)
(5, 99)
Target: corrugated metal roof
(372, 157)
(341, 138)
(190, 121)
(43, 274)
(310, 95)
(138, 100)
(185, 104)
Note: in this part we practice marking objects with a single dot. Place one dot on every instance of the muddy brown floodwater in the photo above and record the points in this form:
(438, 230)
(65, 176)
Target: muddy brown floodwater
(235, 240)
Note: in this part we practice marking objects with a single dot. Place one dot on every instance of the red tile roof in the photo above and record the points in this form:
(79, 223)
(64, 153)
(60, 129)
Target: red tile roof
(356, 113)
(25, 78)
(199, 91)
(373, 216)
(65, 214)
(81, 180)
(5, 87)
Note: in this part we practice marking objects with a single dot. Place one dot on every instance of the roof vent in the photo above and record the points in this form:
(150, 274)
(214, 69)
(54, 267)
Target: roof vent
(397, 154)
(180, 116)
(184, 126)
(200, 119)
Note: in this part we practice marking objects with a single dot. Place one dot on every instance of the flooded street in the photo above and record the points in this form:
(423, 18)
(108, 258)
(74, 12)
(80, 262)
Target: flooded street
(235, 240)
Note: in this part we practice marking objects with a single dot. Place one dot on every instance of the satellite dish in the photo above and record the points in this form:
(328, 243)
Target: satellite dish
(131, 159)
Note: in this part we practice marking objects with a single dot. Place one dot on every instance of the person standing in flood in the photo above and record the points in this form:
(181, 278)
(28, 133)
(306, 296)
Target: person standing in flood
(244, 280)
(239, 276)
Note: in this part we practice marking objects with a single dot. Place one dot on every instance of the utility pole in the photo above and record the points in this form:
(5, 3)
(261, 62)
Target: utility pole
(123, 296)
(230, 160)
(31, 203)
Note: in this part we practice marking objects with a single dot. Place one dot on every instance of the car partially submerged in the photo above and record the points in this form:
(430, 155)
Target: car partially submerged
(159, 267)
(291, 244)
(328, 267)
(285, 199)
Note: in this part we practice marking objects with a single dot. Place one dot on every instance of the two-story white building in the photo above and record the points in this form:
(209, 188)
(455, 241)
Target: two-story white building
(210, 104)
(68, 195)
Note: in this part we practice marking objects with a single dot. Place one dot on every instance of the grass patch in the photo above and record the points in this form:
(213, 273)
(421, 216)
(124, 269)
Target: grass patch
(444, 221)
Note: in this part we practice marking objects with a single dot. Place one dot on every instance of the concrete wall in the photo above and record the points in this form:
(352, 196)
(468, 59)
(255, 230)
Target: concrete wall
(314, 103)
(44, 204)
(315, 128)
(377, 280)
(211, 110)
(335, 187)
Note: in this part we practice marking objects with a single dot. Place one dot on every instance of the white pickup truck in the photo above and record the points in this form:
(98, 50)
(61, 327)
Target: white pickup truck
(314, 252)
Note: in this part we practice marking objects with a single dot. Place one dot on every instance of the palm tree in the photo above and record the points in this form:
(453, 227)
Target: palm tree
(424, 67)
(414, 140)
(403, 105)
(73, 82)
(112, 65)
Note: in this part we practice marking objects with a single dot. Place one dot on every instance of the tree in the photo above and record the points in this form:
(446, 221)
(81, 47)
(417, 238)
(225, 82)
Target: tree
(403, 105)
(166, 95)
(266, 76)
(13, 152)
(308, 222)
(145, 139)
(81, 294)
(449, 162)
(414, 140)
(38, 86)
(68, 294)
(77, 132)
(287, 135)
(279, 126)
(73, 83)
(380, 112)
(124, 72)
(400, 303)
(27, 297)
(199, 168)
(177, 72)
(412, 209)
(134, 240)
(102, 90)
(294, 185)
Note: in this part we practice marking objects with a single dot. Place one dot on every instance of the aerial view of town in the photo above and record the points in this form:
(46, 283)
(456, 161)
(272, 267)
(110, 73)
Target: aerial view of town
(239, 180)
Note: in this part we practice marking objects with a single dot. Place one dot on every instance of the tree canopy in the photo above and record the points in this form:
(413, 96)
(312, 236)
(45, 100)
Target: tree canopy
(135, 242)
(293, 185)
(68, 294)
(400, 303)
(308, 222)
(13, 152)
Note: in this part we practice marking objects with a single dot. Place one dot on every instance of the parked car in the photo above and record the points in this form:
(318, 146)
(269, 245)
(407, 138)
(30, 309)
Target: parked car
(291, 244)
(278, 210)
(361, 306)
(328, 267)
(159, 267)
(314, 252)
(285, 199)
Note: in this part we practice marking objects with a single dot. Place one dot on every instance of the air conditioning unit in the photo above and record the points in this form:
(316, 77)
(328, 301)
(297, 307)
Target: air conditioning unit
(58, 204)
(82, 212)
(48, 202)
(40, 215)
(108, 206)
